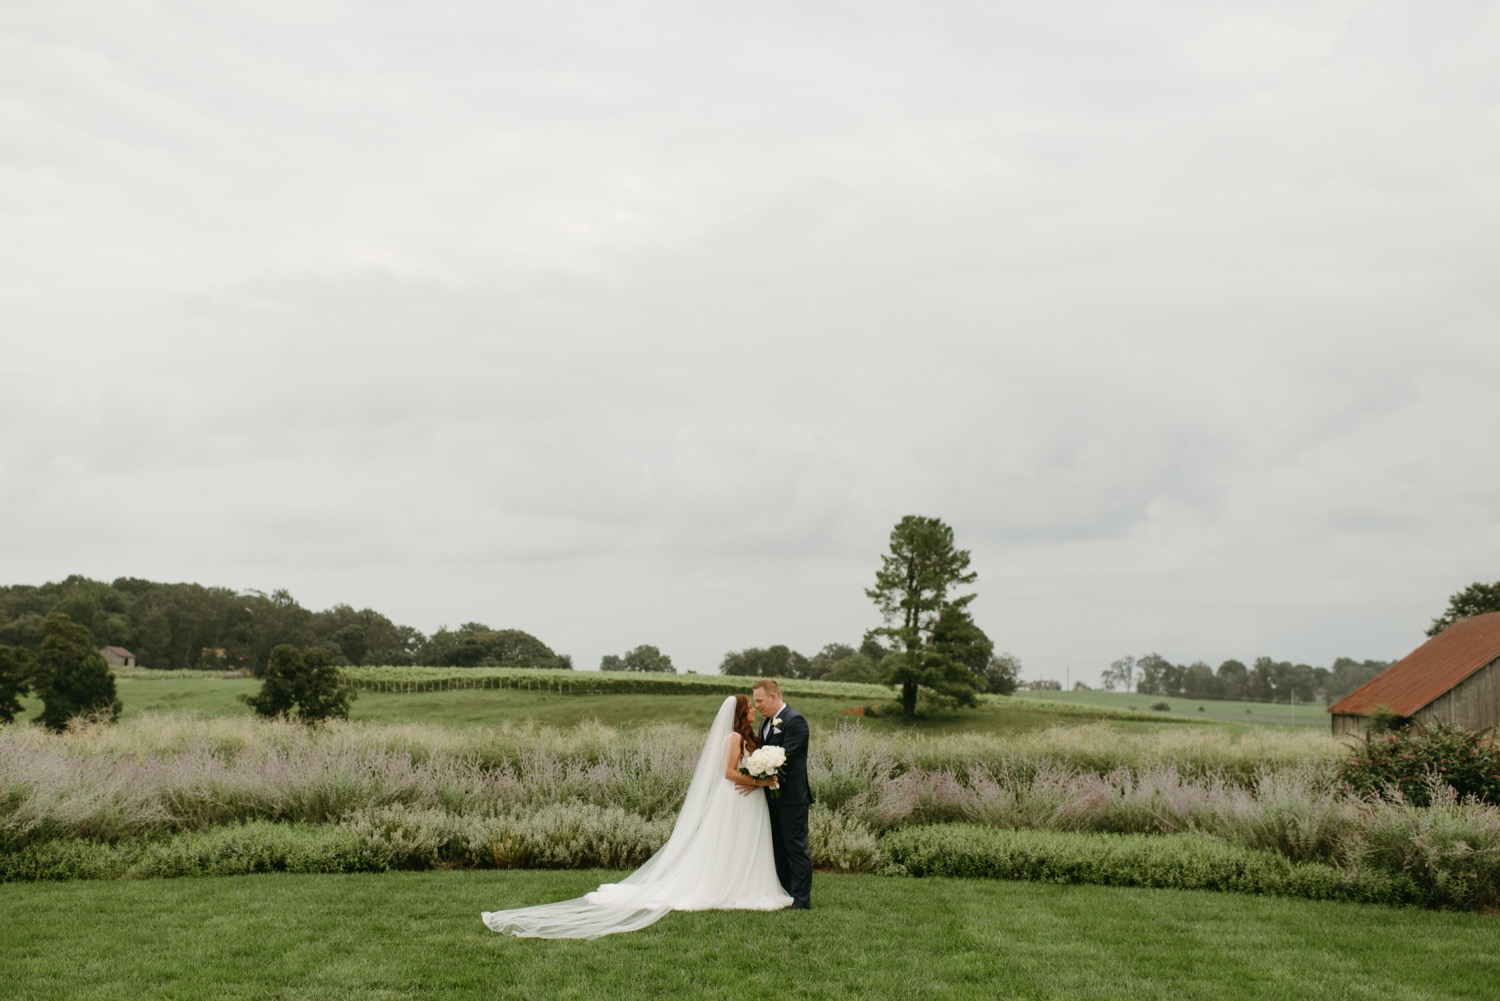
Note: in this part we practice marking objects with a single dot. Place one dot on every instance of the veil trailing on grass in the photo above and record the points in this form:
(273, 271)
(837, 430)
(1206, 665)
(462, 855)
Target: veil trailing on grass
(687, 873)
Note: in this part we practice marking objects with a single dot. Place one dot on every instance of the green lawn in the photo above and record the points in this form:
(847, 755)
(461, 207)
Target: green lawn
(1214, 710)
(219, 696)
(405, 935)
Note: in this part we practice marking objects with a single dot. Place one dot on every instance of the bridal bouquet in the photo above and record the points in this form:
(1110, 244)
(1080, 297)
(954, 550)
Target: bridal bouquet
(763, 763)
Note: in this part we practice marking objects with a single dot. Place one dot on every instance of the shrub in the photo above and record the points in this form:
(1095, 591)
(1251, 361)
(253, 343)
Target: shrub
(1184, 862)
(1293, 813)
(557, 836)
(259, 846)
(71, 675)
(1406, 760)
(223, 851)
(15, 680)
(839, 842)
(1450, 849)
(308, 681)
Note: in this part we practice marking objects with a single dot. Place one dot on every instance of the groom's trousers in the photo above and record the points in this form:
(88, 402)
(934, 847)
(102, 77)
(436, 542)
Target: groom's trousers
(789, 845)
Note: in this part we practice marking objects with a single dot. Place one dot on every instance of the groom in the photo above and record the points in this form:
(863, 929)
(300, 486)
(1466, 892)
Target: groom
(783, 726)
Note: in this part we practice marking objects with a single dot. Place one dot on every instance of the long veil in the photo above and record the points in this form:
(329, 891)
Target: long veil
(648, 894)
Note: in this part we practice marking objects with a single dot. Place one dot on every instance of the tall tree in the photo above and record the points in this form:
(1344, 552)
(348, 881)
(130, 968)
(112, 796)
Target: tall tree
(779, 661)
(475, 644)
(72, 676)
(321, 694)
(1001, 674)
(1154, 669)
(1476, 599)
(1119, 674)
(956, 656)
(856, 668)
(643, 658)
(1199, 682)
(278, 687)
(1234, 679)
(306, 683)
(820, 663)
(15, 680)
(1348, 674)
(912, 590)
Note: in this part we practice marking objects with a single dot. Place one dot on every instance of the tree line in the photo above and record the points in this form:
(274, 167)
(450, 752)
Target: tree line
(1269, 680)
(865, 664)
(1263, 680)
(928, 642)
(182, 626)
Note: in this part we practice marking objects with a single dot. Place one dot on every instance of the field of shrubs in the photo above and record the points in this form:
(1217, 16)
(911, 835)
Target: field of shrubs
(1261, 811)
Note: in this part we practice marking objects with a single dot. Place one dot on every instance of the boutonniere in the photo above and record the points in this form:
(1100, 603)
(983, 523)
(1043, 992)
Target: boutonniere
(776, 723)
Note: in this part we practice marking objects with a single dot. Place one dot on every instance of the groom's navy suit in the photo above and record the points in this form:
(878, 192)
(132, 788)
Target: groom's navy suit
(789, 810)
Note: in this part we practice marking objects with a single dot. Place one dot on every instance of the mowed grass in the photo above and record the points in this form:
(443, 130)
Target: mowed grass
(402, 935)
(1214, 710)
(220, 696)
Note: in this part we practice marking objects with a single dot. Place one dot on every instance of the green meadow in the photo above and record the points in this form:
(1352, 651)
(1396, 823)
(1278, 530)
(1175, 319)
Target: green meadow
(825, 704)
(1211, 710)
(189, 783)
(401, 935)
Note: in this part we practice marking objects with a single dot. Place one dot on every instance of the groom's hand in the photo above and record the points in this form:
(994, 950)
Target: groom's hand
(745, 790)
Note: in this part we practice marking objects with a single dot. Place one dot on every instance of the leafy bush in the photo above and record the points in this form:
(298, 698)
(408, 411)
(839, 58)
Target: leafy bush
(840, 842)
(1292, 813)
(222, 851)
(1449, 849)
(1184, 862)
(1406, 760)
(558, 836)
(177, 795)
(71, 676)
(15, 680)
(307, 681)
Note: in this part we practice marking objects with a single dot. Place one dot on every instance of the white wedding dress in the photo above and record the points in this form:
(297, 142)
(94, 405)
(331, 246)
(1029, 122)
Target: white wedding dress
(717, 858)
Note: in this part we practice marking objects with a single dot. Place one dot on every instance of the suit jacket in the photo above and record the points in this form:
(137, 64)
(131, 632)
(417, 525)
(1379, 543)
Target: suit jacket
(793, 774)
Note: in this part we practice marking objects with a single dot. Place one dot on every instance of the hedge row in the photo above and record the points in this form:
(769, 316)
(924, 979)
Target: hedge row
(429, 679)
(1173, 861)
(578, 836)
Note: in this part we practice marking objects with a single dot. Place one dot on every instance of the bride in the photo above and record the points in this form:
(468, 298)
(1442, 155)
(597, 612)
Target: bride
(717, 858)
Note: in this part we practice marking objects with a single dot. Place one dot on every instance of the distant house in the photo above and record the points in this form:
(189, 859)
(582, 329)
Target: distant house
(1453, 678)
(118, 656)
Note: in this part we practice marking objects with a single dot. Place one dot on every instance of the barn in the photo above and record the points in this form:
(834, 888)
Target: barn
(1452, 678)
(118, 656)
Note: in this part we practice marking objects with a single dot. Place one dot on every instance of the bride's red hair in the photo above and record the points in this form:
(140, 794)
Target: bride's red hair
(743, 722)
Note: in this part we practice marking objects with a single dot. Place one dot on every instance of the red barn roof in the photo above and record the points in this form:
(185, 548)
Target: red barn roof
(1430, 670)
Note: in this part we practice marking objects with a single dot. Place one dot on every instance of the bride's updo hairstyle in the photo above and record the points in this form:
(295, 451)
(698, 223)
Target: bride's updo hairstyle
(743, 724)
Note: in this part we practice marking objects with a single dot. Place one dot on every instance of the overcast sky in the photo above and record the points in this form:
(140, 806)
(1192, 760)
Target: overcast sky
(631, 323)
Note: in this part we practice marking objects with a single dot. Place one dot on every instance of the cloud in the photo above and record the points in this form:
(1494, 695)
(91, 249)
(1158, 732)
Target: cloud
(646, 327)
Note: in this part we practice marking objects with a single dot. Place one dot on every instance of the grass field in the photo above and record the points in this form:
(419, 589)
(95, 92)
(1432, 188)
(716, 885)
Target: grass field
(418, 934)
(212, 695)
(1212, 710)
(405, 934)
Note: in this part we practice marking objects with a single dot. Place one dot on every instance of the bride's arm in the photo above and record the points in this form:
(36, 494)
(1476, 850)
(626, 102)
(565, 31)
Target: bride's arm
(732, 764)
